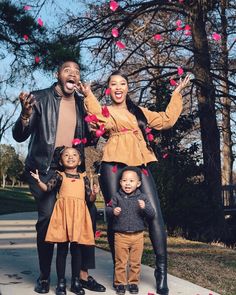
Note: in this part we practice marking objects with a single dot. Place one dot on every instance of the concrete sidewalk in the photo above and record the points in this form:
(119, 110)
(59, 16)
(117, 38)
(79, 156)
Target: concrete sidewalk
(19, 263)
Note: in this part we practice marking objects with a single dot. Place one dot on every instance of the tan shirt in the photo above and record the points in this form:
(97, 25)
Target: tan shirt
(66, 123)
(126, 143)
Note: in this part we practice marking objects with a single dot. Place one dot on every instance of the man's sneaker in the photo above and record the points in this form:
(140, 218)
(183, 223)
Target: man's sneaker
(133, 289)
(42, 286)
(120, 289)
(92, 285)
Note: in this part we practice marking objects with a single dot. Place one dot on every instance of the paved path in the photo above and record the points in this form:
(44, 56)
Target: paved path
(19, 265)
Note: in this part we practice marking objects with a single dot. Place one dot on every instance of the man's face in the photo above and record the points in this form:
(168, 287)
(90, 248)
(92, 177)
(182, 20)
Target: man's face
(68, 76)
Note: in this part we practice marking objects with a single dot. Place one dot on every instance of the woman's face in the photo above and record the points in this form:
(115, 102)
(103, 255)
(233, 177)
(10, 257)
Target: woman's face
(119, 89)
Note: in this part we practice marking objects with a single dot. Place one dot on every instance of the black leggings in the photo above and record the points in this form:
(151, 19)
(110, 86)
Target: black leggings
(62, 251)
(109, 182)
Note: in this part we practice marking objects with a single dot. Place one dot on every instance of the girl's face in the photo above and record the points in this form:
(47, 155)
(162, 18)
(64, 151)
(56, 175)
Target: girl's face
(70, 158)
(119, 89)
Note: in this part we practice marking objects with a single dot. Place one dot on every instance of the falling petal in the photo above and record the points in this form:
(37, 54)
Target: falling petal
(144, 171)
(27, 7)
(99, 133)
(114, 169)
(98, 234)
(216, 37)
(84, 140)
(120, 45)
(40, 22)
(179, 29)
(150, 137)
(149, 293)
(105, 112)
(187, 28)
(178, 23)
(37, 59)
(148, 130)
(109, 203)
(115, 32)
(26, 37)
(180, 71)
(76, 141)
(173, 82)
(108, 91)
(91, 118)
(158, 37)
(113, 5)
(187, 33)
(165, 156)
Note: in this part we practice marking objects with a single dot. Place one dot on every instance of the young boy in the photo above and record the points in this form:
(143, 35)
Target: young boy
(129, 208)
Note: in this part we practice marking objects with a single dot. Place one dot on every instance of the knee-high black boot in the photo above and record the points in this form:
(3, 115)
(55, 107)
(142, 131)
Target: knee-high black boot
(160, 274)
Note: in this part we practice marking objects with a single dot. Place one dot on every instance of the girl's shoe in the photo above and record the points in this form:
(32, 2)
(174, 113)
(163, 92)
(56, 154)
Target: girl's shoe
(76, 286)
(61, 287)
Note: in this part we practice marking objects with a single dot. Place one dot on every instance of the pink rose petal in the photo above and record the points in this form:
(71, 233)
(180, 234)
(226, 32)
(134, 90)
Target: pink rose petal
(109, 203)
(114, 169)
(180, 71)
(84, 140)
(187, 28)
(187, 33)
(115, 32)
(216, 37)
(91, 118)
(150, 137)
(113, 5)
(148, 130)
(158, 37)
(144, 171)
(105, 112)
(173, 82)
(37, 59)
(165, 156)
(179, 23)
(120, 45)
(179, 29)
(108, 91)
(98, 234)
(40, 22)
(76, 141)
(27, 7)
(26, 37)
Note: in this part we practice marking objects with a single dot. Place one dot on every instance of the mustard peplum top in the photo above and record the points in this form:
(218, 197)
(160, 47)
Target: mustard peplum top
(126, 143)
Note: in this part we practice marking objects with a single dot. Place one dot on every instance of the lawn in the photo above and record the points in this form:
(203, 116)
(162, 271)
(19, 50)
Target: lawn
(209, 265)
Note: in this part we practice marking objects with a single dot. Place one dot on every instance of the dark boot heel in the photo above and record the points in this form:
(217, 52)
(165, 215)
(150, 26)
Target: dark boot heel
(76, 286)
(61, 287)
(161, 277)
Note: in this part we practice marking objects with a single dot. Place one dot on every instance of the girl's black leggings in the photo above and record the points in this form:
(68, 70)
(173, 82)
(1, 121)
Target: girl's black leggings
(62, 251)
(110, 173)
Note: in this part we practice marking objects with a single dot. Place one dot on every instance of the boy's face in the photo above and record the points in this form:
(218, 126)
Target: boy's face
(129, 182)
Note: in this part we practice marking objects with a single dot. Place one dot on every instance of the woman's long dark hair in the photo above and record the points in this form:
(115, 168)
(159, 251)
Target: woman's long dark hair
(134, 109)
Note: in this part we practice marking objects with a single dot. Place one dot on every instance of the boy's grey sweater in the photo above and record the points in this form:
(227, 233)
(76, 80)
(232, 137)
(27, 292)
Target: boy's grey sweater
(132, 217)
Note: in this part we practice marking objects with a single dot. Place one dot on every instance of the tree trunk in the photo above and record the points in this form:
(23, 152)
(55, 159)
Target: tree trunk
(227, 154)
(210, 136)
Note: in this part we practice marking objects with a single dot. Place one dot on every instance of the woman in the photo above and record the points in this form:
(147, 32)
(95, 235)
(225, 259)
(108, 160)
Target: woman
(125, 124)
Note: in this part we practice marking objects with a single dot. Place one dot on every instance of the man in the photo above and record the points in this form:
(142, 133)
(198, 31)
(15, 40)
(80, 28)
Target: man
(52, 117)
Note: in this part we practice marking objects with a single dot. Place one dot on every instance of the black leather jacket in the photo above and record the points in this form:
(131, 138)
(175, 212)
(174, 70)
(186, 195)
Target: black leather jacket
(42, 129)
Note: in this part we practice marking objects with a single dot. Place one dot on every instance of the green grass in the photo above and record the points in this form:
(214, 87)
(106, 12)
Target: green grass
(17, 199)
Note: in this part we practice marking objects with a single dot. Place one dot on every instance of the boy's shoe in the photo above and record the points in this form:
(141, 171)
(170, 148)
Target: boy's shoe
(61, 287)
(42, 286)
(120, 289)
(92, 285)
(76, 286)
(133, 289)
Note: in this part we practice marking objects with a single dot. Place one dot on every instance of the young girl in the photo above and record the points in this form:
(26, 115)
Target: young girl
(125, 125)
(70, 221)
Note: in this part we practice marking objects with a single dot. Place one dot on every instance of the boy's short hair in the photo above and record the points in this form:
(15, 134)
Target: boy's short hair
(132, 168)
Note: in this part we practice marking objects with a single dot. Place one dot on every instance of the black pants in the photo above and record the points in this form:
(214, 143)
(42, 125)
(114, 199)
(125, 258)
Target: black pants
(109, 182)
(45, 204)
(62, 251)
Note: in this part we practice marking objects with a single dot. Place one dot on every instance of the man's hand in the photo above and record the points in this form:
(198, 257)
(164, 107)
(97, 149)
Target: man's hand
(117, 211)
(83, 88)
(27, 102)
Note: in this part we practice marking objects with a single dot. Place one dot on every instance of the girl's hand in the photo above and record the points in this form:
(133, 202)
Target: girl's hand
(84, 88)
(117, 211)
(183, 83)
(35, 175)
(141, 204)
(27, 102)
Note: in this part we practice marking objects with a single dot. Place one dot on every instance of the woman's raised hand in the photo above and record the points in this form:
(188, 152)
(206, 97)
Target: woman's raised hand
(183, 83)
